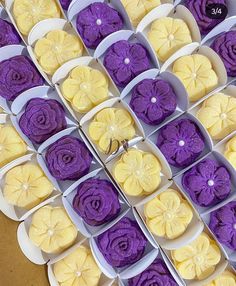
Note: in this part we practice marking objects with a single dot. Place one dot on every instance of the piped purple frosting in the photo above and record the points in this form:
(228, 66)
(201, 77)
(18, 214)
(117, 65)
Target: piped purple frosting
(68, 158)
(65, 4)
(207, 183)
(96, 22)
(124, 61)
(123, 244)
(97, 201)
(153, 100)
(8, 34)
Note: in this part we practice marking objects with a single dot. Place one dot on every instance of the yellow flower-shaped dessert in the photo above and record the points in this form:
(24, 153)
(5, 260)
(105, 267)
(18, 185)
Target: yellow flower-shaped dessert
(167, 35)
(26, 186)
(137, 9)
(27, 13)
(196, 74)
(218, 115)
(56, 48)
(230, 152)
(85, 88)
(137, 172)
(77, 269)
(225, 279)
(168, 215)
(111, 124)
(11, 145)
(52, 230)
(198, 259)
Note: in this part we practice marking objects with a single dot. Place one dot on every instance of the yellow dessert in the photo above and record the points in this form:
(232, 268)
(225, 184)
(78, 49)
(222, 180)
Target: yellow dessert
(168, 215)
(218, 115)
(55, 49)
(167, 35)
(137, 9)
(110, 125)
(197, 75)
(230, 151)
(11, 145)
(52, 230)
(27, 13)
(137, 172)
(225, 279)
(77, 269)
(198, 259)
(26, 186)
(85, 88)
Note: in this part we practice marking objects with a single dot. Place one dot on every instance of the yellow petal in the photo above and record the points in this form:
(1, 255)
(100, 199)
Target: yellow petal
(132, 187)
(154, 208)
(157, 226)
(121, 172)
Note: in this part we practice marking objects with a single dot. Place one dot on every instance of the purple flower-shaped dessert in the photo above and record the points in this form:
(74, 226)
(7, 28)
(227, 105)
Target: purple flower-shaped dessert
(207, 183)
(65, 4)
(181, 142)
(42, 119)
(17, 74)
(97, 201)
(157, 274)
(8, 34)
(123, 244)
(124, 61)
(96, 22)
(153, 100)
(223, 224)
(68, 158)
(225, 46)
(198, 9)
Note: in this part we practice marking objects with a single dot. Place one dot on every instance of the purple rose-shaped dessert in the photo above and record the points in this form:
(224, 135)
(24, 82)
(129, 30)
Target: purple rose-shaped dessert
(123, 244)
(65, 4)
(8, 34)
(207, 183)
(181, 142)
(42, 119)
(68, 158)
(198, 9)
(124, 61)
(97, 201)
(157, 274)
(225, 46)
(223, 224)
(17, 75)
(153, 100)
(96, 22)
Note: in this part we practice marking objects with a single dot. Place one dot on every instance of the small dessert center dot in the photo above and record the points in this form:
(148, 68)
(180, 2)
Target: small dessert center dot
(199, 259)
(99, 22)
(171, 37)
(194, 75)
(235, 226)
(223, 116)
(25, 186)
(84, 86)
(50, 232)
(168, 216)
(210, 183)
(78, 273)
(181, 143)
(127, 61)
(153, 100)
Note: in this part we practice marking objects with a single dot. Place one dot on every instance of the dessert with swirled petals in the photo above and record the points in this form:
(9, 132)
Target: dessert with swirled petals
(97, 201)
(124, 61)
(65, 4)
(68, 158)
(227, 278)
(17, 75)
(8, 34)
(95, 22)
(42, 118)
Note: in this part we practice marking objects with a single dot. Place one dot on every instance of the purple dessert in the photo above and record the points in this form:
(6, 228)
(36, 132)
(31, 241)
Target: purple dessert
(123, 244)
(207, 183)
(225, 46)
(68, 158)
(17, 75)
(157, 274)
(96, 22)
(42, 119)
(153, 100)
(181, 142)
(96, 201)
(124, 61)
(8, 34)
(65, 4)
(223, 224)
(198, 9)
